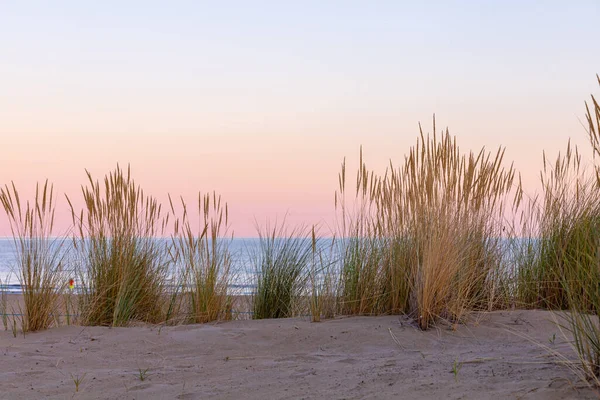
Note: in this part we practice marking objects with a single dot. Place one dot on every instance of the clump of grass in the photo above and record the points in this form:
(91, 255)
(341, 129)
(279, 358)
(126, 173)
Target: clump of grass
(454, 206)
(204, 261)
(572, 239)
(425, 238)
(560, 269)
(361, 276)
(360, 246)
(563, 256)
(578, 272)
(281, 269)
(123, 267)
(38, 256)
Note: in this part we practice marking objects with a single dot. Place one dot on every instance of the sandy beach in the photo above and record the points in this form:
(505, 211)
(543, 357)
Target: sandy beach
(345, 358)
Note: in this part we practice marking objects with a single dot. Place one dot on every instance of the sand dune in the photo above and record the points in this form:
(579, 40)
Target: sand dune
(347, 358)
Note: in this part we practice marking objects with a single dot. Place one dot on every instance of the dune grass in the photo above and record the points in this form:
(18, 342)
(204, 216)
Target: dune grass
(39, 257)
(361, 247)
(558, 260)
(567, 219)
(281, 266)
(123, 268)
(454, 210)
(203, 262)
(574, 247)
(572, 257)
(425, 239)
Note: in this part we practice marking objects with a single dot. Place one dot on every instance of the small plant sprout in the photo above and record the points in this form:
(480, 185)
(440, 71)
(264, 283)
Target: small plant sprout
(143, 374)
(456, 368)
(14, 327)
(552, 339)
(77, 380)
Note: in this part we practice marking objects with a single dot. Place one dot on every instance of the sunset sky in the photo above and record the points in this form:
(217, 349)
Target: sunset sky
(261, 101)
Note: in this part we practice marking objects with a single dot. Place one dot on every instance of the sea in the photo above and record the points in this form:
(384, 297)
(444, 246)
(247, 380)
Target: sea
(241, 270)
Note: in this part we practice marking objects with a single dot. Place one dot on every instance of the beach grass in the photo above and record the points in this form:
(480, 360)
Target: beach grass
(425, 238)
(122, 268)
(39, 256)
(576, 247)
(360, 247)
(203, 262)
(280, 266)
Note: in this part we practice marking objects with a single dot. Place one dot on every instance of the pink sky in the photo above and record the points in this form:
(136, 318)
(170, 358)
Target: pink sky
(262, 104)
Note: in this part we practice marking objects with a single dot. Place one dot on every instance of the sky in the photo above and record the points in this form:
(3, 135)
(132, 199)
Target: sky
(262, 101)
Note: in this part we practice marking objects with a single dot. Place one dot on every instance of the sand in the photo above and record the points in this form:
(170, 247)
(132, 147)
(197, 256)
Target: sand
(346, 358)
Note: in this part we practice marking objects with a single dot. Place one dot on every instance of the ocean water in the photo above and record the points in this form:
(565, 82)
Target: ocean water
(240, 250)
(242, 271)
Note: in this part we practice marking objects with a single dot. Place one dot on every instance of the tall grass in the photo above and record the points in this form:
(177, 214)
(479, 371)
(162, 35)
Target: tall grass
(567, 218)
(360, 246)
(39, 257)
(454, 205)
(425, 238)
(564, 222)
(580, 282)
(574, 247)
(203, 262)
(281, 270)
(593, 119)
(123, 268)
